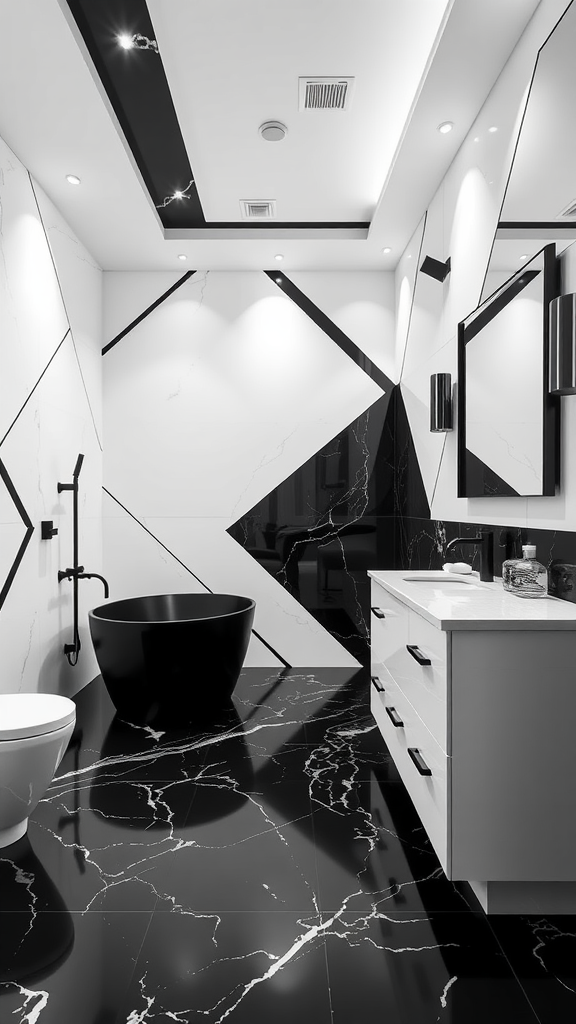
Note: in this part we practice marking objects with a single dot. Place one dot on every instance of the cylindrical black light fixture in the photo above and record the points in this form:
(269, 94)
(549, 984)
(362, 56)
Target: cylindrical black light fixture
(562, 345)
(440, 402)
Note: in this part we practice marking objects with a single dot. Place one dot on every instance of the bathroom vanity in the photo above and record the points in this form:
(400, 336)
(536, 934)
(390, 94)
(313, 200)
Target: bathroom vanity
(474, 692)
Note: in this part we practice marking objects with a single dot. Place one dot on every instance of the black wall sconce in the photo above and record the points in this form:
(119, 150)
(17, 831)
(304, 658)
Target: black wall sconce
(562, 345)
(434, 268)
(440, 402)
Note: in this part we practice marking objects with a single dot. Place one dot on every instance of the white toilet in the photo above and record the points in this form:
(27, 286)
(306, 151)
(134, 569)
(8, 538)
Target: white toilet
(35, 729)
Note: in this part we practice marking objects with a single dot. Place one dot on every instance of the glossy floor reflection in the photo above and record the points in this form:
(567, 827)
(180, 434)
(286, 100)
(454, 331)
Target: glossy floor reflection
(266, 866)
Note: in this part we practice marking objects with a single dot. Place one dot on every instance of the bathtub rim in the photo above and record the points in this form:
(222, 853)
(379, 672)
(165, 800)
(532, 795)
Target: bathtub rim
(162, 622)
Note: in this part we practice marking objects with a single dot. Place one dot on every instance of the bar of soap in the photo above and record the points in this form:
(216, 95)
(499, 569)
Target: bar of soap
(459, 567)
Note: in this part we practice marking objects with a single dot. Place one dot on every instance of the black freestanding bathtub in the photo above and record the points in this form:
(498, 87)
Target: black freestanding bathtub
(173, 657)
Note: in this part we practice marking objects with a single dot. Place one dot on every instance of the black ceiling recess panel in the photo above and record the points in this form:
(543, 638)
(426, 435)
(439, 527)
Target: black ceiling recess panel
(137, 88)
(135, 82)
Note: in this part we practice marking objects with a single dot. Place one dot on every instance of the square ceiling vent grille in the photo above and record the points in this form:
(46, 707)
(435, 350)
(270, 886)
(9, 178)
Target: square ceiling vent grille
(258, 210)
(324, 93)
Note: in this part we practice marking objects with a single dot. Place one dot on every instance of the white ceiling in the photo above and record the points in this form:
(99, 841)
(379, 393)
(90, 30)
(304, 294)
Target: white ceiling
(233, 65)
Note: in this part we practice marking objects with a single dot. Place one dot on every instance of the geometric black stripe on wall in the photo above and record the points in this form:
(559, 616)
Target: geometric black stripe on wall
(29, 396)
(149, 309)
(331, 329)
(189, 570)
(325, 524)
(7, 583)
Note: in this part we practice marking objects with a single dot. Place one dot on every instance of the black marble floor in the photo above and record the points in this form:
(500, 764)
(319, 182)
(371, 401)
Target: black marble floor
(267, 869)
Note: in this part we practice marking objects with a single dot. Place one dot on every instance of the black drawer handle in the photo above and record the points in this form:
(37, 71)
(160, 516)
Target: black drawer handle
(394, 717)
(419, 761)
(416, 653)
(378, 613)
(377, 684)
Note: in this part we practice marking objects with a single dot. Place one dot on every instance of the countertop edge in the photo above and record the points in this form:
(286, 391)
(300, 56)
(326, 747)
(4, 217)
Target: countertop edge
(472, 625)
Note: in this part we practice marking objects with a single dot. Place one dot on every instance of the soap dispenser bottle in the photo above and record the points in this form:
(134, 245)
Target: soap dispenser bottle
(524, 576)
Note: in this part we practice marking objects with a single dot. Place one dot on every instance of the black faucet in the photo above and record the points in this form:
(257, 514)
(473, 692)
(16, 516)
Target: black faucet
(95, 576)
(485, 543)
(78, 573)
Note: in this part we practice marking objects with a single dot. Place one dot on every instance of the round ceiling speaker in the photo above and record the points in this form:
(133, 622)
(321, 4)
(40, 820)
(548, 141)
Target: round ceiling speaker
(273, 131)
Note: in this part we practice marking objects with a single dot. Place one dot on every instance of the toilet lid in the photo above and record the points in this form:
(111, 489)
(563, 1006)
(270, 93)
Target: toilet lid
(33, 714)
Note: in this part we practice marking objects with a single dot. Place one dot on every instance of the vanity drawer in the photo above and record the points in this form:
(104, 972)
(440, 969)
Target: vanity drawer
(388, 626)
(429, 793)
(426, 686)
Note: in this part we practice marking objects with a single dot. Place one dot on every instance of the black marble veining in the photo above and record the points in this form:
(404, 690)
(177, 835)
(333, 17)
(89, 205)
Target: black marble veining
(420, 543)
(266, 866)
(320, 530)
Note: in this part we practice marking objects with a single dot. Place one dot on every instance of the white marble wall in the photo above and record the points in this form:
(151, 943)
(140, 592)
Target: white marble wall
(210, 402)
(460, 222)
(50, 410)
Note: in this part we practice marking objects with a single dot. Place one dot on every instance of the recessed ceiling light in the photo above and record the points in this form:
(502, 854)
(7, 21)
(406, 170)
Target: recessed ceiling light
(125, 41)
(525, 256)
(493, 128)
(445, 127)
(72, 179)
(409, 256)
(182, 256)
(278, 280)
(386, 250)
(476, 138)
(278, 256)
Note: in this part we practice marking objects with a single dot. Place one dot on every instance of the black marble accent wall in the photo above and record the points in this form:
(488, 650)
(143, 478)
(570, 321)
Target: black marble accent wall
(320, 530)
(421, 544)
(340, 514)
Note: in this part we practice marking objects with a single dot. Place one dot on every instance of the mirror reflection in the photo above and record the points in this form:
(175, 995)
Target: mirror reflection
(507, 421)
(540, 201)
(542, 186)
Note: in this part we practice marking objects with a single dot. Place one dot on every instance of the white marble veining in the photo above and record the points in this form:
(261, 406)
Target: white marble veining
(450, 601)
(50, 339)
(218, 873)
(211, 402)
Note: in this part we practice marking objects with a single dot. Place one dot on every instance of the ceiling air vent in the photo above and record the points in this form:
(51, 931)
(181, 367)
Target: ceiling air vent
(568, 211)
(261, 210)
(324, 93)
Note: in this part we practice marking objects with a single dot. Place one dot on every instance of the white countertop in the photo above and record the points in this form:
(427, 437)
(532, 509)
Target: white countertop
(472, 604)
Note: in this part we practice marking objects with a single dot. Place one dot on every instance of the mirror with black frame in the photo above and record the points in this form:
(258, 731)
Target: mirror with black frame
(508, 424)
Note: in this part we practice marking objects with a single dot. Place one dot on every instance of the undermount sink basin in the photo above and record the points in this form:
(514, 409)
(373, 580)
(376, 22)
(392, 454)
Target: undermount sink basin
(439, 582)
